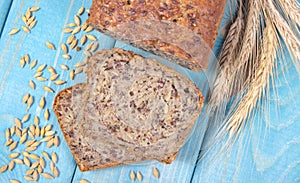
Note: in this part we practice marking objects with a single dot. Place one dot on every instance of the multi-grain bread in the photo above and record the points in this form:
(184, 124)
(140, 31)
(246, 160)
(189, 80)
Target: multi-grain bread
(131, 109)
(179, 30)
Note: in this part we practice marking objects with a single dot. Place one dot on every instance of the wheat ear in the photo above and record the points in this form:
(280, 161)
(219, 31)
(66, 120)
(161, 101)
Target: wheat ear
(286, 33)
(259, 82)
(291, 10)
(226, 83)
(227, 56)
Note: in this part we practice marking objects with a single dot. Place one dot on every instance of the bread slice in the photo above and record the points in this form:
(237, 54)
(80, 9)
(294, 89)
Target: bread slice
(131, 109)
(178, 30)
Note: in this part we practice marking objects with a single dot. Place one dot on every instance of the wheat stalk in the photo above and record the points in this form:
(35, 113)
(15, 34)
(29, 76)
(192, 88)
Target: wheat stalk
(258, 83)
(227, 56)
(291, 10)
(289, 38)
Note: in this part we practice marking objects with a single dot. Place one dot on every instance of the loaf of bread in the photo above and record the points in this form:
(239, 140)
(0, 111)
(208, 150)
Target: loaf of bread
(131, 109)
(179, 30)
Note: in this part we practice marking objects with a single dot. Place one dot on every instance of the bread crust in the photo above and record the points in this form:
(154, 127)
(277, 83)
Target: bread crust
(196, 21)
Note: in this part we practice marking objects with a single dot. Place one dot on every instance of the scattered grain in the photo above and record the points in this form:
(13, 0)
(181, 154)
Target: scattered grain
(8, 142)
(46, 155)
(41, 79)
(95, 46)
(14, 181)
(84, 26)
(35, 164)
(25, 98)
(7, 133)
(74, 43)
(80, 11)
(36, 144)
(67, 30)
(22, 62)
(25, 118)
(33, 64)
(50, 45)
(13, 146)
(40, 169)
(155, 173)
(50, 143)
(46, 114)
(41, 68)
(64, 67)
(27, 161)
(37, 130)
(42, 131)
(18, 161)
(132, 176)
(139, 176)
(59, 82)
(3, 168)
(14, 31)
(79, 70)
(12, 130)
(11, 165)
(31, 84)
(41, 104)
(64, 48)
(91, 37)
(14, 155)
(66, 56)
(38, 74)
(50, 133)
(42, 162)
(46, 139)
(31, 135)
(47, 175)
(34, 8)
(34, 156)
(78, 48)
(56, 141)
(77, 20)
(89, 29)
(54, 157)
(18, 123)
(48, 89)
(27, 177)
(25, 29)
(55, 171)
(76, 30)
(70, 39)
(83, 181)
(88, 46)
(30, 142)
(29, 172)
(24, 131)
(28, 14)
(32, 24)
(71, 24)
(18, 132)
(35, 175)
(29, 104)
(83, 40)
(23, 138)
(51, 70)
(72, 74)
(53, 77)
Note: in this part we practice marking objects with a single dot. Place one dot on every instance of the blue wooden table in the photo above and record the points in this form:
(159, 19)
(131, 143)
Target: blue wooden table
(273, 155)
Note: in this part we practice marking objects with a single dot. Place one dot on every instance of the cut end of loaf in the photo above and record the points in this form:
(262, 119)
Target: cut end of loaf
(180, 31)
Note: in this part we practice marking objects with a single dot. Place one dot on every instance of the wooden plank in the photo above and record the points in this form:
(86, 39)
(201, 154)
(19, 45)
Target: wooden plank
(181, 169)
(4, 8)
(14, 80)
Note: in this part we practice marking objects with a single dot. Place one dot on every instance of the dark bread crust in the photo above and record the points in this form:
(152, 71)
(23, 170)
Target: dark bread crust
(200, 18)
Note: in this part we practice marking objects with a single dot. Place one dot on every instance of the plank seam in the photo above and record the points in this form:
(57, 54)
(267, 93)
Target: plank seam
(6, 15)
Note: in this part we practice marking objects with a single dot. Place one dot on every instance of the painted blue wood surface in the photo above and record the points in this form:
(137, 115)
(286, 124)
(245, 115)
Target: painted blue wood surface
(269, 158)
(4, 9)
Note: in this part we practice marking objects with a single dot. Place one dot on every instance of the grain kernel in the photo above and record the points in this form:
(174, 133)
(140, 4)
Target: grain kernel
(25, 29)
(42, 103)
(47, 175)
(51, 70)
(14, 181)
(23, 138)
(56, 141)
(64, 48)
(41, 68)
(31, 84)
(59, 82)
(83, 181)
(11, 165)
(13, 146)
(54, 157)
(50, 45)
(46, 114)
(155, 173)
(29, 104)
(139, 176)
(3, 168)
(46, 155)
(14, 31)
(48, 89)
(72, 74)
(80, 11)
(34, 8)
(66, 56)
(22, 62)
(33, 64)
(132, 176)
(19, 161)
(27, 161)
(67, 30)
(14, 155)
(77, 20)
(64, 67)
(29, 172)
(91, 37)
(41, 79)
(53, 77)
(38, 74)
(76, 30)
